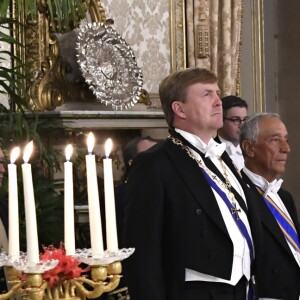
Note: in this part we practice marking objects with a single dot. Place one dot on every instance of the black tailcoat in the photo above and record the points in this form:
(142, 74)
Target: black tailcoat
(277, 272)
(174, 222)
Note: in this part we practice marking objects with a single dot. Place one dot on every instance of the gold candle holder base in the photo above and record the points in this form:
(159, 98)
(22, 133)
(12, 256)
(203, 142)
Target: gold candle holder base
(25, 278)
(103, 279)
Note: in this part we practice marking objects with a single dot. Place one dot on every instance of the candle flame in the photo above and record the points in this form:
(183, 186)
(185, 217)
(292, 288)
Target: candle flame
(27, 151)
(108, 147)
(90, 142)
(69, 152)
(15, 152)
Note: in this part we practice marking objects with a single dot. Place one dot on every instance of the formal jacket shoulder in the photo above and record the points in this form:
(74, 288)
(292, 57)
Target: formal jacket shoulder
(267, 218)
(274, 258)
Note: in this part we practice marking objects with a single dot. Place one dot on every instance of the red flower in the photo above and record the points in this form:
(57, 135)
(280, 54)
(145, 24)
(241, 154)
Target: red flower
(67, 267)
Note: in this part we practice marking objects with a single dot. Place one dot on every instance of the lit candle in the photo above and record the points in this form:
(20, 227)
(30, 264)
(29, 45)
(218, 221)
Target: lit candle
(93, 199)
(13, 206)
(30, 213)
(69, 204)
(110, 211)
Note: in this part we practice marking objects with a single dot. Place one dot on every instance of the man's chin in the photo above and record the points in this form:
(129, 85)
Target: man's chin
(219, 124)
(280, 170)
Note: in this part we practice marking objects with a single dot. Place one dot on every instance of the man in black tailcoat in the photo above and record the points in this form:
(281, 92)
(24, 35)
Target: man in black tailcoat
(191, 220)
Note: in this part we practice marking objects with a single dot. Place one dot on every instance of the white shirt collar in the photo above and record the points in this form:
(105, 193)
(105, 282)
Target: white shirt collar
(261, 182)
(231, 149)
(211, 149)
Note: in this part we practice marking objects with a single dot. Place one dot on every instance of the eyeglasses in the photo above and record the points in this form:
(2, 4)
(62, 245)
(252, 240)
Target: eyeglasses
(236, 121)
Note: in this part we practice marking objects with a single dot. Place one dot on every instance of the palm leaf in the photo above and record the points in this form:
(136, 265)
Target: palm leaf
(4, 5)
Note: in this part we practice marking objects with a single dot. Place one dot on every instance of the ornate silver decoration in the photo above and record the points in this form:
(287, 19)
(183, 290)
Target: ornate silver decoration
(108, 65)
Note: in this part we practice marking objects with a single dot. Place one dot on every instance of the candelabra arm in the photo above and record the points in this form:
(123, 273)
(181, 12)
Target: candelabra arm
(114, 270)
(12, 291)
(67, 289)
(104, 279)
(99, 288)
(81, 280)
(113, 283)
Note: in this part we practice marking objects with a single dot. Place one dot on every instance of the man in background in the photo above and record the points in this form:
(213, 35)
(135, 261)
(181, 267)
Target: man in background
(130, 151)
(265, 145)
(134, 147)
(235, 112)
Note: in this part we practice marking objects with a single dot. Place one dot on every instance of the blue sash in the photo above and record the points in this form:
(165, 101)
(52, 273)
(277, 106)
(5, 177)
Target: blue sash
(233, 210)
(239, 223)
(283, 221)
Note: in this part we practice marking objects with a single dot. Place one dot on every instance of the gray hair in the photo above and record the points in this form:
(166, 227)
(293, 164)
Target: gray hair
(250, 129)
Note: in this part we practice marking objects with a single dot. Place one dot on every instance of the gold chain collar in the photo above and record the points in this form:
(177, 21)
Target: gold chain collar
(225, 185)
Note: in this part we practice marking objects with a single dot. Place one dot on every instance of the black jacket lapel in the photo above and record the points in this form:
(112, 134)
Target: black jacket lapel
(267, 217)
(236, 173)
(196, 183)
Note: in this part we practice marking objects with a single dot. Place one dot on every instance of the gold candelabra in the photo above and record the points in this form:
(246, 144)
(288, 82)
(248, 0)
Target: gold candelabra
(104, 278)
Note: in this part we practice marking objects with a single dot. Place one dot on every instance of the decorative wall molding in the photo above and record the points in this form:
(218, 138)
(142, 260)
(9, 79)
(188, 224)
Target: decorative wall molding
(259, 101)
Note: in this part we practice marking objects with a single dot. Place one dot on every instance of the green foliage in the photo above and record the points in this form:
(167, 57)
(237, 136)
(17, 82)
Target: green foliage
(4, 4)
(10, 66)
(64, 14)
(17, 129)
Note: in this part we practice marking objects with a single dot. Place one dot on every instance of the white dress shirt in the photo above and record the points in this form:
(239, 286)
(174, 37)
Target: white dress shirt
(241, 253)
(235, 153)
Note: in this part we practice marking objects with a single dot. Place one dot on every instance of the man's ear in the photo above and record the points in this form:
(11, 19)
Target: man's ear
(248, 148)
(178, 109)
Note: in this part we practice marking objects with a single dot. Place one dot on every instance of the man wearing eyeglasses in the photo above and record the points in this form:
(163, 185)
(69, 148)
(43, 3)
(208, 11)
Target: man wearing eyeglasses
(235, 112)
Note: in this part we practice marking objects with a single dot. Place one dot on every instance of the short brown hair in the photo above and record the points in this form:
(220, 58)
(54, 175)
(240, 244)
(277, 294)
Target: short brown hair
(174, 88)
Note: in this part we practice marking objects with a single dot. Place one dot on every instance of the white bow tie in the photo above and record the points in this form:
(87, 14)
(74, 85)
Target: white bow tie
(234, 150)
(273, 186)
(215, 149)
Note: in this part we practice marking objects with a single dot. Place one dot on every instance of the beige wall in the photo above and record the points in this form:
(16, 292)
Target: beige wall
(145, 27)
(289, 87)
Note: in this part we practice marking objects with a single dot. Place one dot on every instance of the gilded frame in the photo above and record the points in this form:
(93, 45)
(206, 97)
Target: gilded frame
(177, 35)
(259, 104)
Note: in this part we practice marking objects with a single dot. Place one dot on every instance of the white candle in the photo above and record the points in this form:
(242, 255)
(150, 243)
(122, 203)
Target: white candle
(69, 203)
(110, 211)
(30, 213)
(13, 206)
(93, 199)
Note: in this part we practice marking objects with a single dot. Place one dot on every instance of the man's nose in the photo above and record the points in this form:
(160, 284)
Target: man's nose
(285, 146)
(218, 100)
